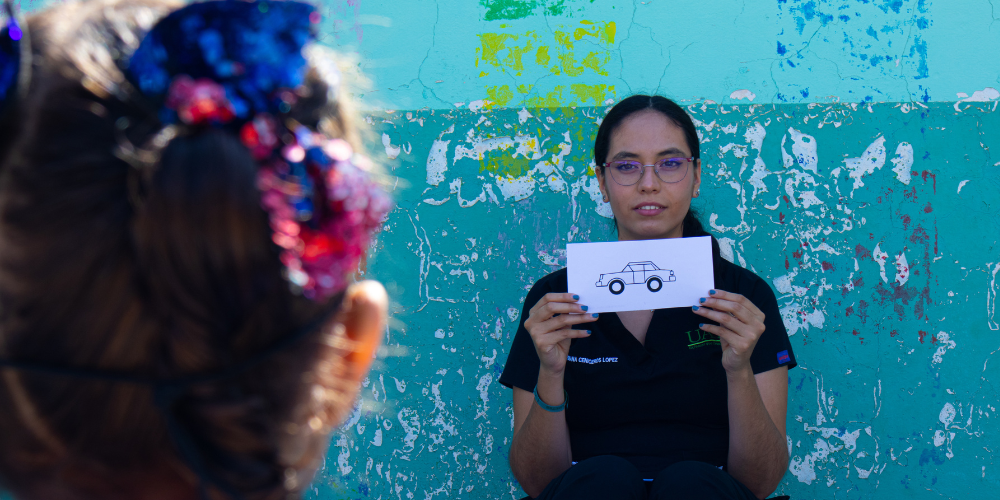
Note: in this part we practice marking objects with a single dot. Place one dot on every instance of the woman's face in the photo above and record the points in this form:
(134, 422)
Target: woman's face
(649, 208)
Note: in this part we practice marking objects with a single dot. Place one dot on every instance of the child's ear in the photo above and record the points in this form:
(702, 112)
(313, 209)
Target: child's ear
(363, 315)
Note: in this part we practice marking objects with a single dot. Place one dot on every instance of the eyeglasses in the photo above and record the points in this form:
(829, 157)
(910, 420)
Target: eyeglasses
(669, 170)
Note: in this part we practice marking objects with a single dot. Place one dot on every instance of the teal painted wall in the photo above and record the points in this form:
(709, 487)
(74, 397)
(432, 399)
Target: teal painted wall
(848, 160)
(847, 149)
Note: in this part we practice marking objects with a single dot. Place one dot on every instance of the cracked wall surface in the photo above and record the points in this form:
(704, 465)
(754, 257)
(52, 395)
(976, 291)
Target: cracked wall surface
(847, 149)
(847, 160)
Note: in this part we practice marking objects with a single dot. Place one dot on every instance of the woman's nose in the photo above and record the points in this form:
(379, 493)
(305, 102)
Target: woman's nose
(648, 182)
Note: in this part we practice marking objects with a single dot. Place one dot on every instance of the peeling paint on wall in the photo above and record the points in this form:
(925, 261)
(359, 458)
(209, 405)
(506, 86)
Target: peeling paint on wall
(852, 211)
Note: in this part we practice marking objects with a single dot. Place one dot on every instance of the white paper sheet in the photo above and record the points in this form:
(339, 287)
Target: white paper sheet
(635, 275)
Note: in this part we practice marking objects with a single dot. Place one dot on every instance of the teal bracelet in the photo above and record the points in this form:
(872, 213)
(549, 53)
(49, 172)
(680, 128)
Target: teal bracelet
(548, 407)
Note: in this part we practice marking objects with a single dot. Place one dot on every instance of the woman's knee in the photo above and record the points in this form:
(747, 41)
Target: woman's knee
(598, 477)
(697, 480)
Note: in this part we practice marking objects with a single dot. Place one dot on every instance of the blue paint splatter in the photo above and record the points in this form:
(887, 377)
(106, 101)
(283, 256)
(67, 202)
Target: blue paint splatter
(781, 49)
(872, 33)
(804, 92)
(844, 18)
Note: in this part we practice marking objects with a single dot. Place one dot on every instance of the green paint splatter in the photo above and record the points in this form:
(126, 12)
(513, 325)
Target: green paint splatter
(508, 9)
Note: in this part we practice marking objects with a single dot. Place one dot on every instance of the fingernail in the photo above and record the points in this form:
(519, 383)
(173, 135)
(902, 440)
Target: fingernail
(595, 315)
(583, 307)
(702, 300)
(696, 308)
(589, 332)
(701, 325)
(576, 297)
(711, 292)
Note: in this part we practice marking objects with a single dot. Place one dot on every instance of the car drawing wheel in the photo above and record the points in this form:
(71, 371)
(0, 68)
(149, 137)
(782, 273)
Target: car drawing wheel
(616, 287)
(654, 284)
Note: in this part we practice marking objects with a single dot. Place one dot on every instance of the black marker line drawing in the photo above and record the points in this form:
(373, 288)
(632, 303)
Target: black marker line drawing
(635, 273)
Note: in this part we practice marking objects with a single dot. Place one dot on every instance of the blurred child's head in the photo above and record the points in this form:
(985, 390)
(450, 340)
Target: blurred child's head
(136, 243)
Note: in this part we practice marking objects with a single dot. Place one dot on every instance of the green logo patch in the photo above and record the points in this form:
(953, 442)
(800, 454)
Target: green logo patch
(700, 338)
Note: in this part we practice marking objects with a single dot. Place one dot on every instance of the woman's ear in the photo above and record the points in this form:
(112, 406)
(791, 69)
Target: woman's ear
(600, 182)
(363, 315)
(696, 188)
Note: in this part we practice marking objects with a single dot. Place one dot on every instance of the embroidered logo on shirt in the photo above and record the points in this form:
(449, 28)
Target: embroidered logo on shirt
(590, 361)
(783, 357)
(700, 338)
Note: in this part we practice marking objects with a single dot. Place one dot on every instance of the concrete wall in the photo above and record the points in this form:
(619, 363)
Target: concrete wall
(847, 149)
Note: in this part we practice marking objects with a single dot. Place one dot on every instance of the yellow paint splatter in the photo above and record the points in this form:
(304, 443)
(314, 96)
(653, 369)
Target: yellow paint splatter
(596, 94)
(542, 56)
(596, 62)
(498, 96)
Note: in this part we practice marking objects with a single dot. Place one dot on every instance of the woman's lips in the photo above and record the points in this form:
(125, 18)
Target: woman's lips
(649, 209)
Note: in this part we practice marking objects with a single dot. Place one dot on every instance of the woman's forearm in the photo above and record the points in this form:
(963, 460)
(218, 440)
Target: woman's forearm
(758, 453)
(541, 450)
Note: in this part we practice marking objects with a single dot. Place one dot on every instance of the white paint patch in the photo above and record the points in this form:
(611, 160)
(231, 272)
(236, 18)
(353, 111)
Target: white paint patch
(986, 95)
(516, 188)
(991, 296)
(477, 105)
(755, 136)
(871, 160)
(391, 151)
(961, 185)
(902, 269)
(523, 115)
(904, 163)
(743, 94)
(947, 415)
(804, 150)
(437, 162)
(946, 343)
(377, 440)
(726, 248)
(880, 257)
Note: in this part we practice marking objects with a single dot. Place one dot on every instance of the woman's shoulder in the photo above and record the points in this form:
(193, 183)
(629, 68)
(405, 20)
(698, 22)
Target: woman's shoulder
(736, 278)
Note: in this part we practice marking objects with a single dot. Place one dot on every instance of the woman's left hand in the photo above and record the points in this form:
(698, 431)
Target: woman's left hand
(740, 324)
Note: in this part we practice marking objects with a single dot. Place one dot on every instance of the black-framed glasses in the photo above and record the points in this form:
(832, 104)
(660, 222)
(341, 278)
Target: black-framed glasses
(628, 172)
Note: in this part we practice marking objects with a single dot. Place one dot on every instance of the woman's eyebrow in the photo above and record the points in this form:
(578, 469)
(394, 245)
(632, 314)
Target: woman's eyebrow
(665, 152)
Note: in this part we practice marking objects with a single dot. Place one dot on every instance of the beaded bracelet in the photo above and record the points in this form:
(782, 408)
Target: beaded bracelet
(549, 408)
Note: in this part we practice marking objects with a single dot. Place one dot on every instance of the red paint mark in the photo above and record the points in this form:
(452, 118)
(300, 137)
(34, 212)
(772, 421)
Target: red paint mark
(860, 282)
(786, 262)
(925, 174)
(797, 254)
(919, 235)
(906, 221)
(856, 333)
(850, 310)
(934, 339)
(922, 333)
(894, 333)
(781, 218)
(928, 208)
(827, 266)
(861, 252)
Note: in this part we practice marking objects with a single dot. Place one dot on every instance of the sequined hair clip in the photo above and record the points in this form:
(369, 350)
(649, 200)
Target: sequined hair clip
(238, 66)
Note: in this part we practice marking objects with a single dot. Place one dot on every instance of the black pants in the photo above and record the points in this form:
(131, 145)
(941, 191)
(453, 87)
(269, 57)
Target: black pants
(610, 477)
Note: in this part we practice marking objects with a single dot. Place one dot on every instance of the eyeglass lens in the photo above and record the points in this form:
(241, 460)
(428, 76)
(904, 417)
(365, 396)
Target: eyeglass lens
(669, 170)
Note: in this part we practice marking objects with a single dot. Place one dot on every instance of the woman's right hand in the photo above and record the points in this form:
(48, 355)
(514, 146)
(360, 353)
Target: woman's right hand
(549, 324)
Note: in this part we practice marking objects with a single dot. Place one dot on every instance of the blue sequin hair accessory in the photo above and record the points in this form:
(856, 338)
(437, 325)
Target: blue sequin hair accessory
(240, 66)
(14, 67)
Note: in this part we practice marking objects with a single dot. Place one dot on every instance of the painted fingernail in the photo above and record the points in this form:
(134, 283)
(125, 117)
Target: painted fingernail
(584, 308)
(595, 315)
(701, 325)
(711, 292)
(576, 297)
(696, 308)
(589, 332)
(703, 300)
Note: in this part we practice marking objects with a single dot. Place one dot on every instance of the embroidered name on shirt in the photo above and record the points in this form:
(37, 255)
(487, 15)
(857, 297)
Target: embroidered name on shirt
(590, 361)
(700, 338)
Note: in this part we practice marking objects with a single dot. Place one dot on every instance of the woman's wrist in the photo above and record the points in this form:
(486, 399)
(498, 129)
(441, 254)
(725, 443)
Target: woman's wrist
(550, 387)
(740, 374)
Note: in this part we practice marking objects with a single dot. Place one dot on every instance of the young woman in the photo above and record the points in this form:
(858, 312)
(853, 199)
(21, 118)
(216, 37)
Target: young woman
(181, 216)
(694, 404)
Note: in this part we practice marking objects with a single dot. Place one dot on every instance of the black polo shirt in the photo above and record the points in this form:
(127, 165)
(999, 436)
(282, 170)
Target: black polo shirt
(658, 403)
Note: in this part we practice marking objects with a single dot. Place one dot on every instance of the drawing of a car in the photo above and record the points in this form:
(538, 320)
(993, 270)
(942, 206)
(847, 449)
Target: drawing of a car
(634, 274)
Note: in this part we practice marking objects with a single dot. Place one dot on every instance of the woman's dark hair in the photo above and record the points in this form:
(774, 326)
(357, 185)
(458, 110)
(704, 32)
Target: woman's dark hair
(676, 114)
(160, 273)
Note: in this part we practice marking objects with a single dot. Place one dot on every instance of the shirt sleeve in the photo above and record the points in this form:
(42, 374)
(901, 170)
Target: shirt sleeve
(521, 370)
(773, 348)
